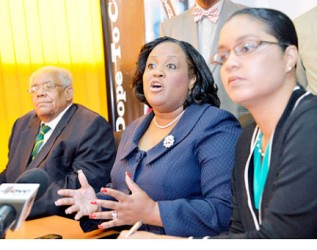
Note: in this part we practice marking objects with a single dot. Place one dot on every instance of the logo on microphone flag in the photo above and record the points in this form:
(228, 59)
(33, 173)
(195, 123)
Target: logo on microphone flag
(21, 197)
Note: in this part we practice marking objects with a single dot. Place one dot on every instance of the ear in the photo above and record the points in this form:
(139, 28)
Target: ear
(69, 93)
(291, 56)
(192, 82)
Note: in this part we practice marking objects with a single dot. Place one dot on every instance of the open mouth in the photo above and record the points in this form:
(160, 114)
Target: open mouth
(156, 85)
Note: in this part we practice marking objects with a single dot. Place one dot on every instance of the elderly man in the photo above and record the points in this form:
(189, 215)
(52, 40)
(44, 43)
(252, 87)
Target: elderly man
(60, 137)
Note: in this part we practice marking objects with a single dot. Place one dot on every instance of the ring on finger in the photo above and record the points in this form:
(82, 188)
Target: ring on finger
(114, 214)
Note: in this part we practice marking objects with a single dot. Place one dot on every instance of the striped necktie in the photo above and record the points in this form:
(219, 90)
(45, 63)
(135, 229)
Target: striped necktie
(39, 140)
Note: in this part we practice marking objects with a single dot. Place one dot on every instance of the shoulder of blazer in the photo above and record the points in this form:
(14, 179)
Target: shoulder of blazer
(228, 8)
(181, 19)
(82, 110)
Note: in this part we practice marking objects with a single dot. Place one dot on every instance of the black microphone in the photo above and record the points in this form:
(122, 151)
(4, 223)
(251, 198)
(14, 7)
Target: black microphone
(16, 200)
(36, 175)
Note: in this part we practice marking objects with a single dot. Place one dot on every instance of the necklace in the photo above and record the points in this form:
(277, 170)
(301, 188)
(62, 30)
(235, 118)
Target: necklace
(169, 124)
(261, 165)
(259, 145)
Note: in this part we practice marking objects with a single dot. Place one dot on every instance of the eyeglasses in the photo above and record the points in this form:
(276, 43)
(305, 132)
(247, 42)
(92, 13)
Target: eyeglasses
(241, 49)
(47, 87)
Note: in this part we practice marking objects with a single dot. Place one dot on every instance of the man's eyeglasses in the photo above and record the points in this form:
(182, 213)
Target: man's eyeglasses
(242, 48)
(46, 86)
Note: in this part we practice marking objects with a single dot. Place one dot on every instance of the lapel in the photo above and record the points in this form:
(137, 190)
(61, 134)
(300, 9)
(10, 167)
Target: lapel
(179, 132)
(277, 144)
(226, 11)
(276, 152)
(191, 28)
(28, 138)
(42, 155)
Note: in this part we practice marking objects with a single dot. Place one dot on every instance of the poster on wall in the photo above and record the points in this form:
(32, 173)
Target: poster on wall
(124, 35)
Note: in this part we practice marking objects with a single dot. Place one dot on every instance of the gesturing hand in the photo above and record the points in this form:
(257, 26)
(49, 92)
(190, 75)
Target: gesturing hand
(130, 208)
(79, 200)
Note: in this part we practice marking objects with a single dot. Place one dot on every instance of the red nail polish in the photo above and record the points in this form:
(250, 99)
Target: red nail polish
(92, 216)
(93, 202)
(104, 190)
(128, 174)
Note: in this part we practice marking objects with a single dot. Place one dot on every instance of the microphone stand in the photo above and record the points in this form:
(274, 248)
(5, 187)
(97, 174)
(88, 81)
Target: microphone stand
(7, 219)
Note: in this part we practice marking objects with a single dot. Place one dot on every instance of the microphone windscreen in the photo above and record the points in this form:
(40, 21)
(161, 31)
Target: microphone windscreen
(36, 175)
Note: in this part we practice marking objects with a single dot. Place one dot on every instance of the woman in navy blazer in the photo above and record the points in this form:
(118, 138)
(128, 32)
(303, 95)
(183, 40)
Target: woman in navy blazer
(274, 180)
(173, 165)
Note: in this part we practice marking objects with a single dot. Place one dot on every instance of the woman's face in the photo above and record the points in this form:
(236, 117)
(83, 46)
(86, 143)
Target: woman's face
(251, 76)
(166, 79)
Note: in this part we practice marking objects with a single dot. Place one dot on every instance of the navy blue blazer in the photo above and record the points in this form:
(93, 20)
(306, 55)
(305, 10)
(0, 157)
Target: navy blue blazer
(191, 178)
(81, 140)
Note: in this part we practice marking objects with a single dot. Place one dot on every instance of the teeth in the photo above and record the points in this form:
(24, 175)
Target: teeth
(156, 85)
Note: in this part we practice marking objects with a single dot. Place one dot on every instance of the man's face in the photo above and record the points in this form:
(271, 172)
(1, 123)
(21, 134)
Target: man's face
(51, 98)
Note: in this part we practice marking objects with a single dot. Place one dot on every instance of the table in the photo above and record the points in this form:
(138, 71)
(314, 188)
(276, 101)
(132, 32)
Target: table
(67, 228)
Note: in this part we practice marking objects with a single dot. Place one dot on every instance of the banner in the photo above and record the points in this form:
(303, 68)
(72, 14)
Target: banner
(124, 35)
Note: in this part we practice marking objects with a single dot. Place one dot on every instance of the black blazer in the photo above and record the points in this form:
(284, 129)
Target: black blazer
(289, 202)
(81, 140)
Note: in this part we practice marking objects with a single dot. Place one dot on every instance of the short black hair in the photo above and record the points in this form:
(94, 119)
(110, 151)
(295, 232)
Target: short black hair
(277, 23)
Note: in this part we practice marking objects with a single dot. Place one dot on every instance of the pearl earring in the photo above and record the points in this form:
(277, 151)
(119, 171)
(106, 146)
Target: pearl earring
(290, 68)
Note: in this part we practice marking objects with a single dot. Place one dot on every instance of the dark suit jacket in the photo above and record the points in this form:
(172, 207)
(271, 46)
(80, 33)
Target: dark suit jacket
(81, 140)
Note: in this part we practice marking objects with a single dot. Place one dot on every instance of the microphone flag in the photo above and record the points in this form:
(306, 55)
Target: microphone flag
(21, 197)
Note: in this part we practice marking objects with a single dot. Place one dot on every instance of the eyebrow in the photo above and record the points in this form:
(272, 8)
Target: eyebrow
(240, 39)
(169, 56)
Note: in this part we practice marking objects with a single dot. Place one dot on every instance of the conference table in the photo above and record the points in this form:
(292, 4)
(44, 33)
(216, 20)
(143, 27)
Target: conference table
(53, 226)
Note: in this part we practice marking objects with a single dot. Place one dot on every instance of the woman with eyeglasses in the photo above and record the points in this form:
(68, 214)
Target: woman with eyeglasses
(274, 181)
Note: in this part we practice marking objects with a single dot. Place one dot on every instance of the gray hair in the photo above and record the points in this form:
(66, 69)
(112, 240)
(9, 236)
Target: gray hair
(64, 76)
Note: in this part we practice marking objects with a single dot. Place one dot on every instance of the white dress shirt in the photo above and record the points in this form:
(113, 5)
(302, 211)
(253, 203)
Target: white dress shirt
(206, 32)
(52, 124)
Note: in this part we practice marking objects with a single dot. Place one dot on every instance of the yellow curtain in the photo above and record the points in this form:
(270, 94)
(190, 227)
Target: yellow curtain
(35, 33)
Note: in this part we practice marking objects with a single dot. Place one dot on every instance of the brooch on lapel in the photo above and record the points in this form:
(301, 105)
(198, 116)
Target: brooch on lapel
(168, 141)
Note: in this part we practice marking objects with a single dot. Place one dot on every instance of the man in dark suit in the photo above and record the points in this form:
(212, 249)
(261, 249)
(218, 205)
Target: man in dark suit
(194, 27)
(76, 139)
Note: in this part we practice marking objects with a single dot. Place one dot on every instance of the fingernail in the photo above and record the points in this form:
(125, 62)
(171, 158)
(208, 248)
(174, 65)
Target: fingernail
(92, 216)
(128, 174)
(100, 226)
(93, 202)
(104, 190)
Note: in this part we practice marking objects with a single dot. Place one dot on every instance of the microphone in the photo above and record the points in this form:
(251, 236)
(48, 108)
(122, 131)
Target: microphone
(16, 200)
(36, 175)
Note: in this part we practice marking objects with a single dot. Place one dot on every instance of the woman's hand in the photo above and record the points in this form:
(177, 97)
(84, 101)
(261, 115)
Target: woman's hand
(129, 208)
(79, 200)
